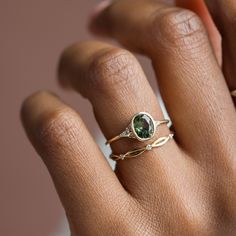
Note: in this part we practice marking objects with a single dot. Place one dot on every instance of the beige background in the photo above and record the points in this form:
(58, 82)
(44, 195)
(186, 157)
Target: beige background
(32, 36)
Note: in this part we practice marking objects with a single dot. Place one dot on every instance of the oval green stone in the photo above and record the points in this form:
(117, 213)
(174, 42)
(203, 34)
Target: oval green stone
(143, 126)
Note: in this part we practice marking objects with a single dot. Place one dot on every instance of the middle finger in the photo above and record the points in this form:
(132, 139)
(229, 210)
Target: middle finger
(190, 80)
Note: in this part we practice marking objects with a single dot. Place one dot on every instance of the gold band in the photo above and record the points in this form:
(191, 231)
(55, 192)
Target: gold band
(137, 152)
(233, 93)
(130, 131)
(129, 134)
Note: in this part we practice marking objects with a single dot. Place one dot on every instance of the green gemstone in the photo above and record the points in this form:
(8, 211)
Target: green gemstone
(143, 126)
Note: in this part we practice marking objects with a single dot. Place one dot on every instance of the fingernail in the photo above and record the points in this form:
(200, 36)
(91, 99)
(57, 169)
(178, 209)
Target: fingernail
(99, 8)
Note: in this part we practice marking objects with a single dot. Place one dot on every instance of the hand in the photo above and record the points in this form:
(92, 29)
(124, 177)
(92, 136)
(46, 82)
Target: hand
(186, 187)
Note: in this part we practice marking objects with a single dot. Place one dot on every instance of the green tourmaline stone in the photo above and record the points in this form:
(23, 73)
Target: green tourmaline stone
(143, 126)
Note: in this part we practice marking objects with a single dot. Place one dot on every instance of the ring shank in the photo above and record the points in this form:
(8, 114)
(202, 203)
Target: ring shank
(113, 139)
(161, 122)
(137, 152)
(128, 134)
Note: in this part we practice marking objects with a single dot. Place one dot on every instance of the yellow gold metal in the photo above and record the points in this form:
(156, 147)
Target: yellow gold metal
(130, 133)
(233, 93)
(137, 152)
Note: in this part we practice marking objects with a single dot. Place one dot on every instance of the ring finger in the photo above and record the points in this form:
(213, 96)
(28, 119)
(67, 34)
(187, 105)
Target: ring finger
(115, 84)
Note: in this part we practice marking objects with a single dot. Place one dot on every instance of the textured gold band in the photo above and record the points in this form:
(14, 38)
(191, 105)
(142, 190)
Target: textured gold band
(137, 152)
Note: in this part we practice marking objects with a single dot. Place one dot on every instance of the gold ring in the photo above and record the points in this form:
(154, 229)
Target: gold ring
(142, 127)
(137, 152)
(233, 93)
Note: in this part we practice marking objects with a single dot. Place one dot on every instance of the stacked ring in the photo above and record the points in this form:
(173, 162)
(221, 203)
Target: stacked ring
(137, 152)
(142, 127)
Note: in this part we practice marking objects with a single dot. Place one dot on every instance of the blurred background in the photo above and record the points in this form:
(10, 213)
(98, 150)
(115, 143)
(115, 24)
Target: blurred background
(32, 34)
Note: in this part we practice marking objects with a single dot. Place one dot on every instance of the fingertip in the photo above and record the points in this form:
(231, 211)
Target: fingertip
(61, 68)
(96, 23)
(99, 9)
(28, 101)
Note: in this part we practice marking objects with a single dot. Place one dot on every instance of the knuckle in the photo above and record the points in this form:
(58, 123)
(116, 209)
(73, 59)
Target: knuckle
(178, 28)
(115, 67)
(66, 61)
(30, 100)
(59, 128)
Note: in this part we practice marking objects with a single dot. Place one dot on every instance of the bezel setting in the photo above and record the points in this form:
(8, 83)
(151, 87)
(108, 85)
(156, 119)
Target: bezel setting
(134, 133)
(143, 128)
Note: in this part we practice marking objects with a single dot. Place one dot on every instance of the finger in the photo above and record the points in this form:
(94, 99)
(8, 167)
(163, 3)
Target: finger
(190, 79)
(114, 82)
(200, 8)
(223, 13)
(86, 184)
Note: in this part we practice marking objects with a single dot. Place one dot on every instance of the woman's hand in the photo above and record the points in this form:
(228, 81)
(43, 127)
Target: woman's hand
(186, 187)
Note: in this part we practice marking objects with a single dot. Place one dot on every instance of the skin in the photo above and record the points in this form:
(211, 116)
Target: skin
(188, 186)
(199, 7)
